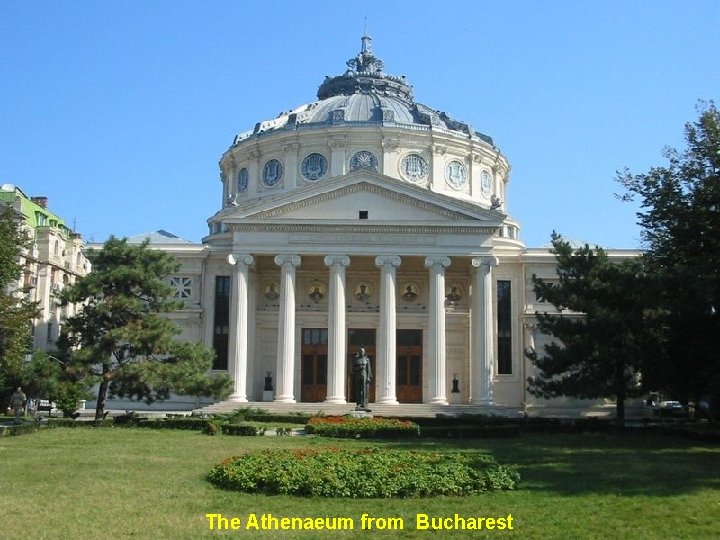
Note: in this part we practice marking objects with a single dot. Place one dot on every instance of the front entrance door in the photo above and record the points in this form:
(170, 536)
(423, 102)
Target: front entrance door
(409, 366)
(313, 369)
(360, 337)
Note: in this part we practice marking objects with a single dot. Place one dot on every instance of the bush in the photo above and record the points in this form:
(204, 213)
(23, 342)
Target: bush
(365, 428)
(469, 432)
(72, 423)
(246, 430)
(20, 429)
(365, 473)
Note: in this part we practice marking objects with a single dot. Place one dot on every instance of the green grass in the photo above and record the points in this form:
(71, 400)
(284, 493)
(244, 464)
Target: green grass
(137, 483)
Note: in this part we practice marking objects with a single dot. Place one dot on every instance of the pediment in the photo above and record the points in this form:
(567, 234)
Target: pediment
(384, 199)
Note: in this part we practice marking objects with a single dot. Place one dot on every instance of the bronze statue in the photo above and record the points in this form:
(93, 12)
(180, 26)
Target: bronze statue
(362, 377)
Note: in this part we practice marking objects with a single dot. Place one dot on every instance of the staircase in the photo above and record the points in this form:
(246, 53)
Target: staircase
(403, 410)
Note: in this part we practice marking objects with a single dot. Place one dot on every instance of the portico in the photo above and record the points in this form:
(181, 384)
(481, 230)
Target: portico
(308, 304)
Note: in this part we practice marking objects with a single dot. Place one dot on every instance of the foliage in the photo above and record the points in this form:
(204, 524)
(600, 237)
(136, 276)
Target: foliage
(598, 349)
(243, 429)
(20, 429)
(680, 221)
(122, 338)
(365, 473)
(45, 377)
(470, 432)
(365, 428)
(16, 311)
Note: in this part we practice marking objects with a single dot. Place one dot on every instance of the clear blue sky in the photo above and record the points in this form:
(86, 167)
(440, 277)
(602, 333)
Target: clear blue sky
(119, 111)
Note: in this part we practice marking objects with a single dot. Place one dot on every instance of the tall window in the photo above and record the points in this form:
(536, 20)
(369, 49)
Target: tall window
(504, 328)
(221, 321)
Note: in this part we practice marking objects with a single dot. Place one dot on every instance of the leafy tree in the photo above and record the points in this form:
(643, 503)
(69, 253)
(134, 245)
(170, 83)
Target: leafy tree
(16, 312)
(121, 336)
(600, 334)
(46, 377)
(680, 219)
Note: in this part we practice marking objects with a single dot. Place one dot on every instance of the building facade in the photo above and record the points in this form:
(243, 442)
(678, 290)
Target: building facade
(365, 219)
(55, 260)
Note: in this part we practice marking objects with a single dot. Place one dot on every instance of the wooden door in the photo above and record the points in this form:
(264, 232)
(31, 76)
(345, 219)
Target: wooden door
(409, 366)
(313, 368)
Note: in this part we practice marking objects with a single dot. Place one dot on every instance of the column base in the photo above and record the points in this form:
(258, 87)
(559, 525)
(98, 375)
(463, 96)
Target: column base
(336, 400)
(387, 401)
(438, 401)
(239, 398)
(284, 399)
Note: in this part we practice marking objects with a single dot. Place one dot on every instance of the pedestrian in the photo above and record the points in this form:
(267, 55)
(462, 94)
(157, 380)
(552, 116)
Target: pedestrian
(17, 404)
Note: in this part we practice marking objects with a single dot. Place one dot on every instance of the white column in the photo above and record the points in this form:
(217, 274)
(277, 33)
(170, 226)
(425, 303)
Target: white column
(286, 328)
(238, 345)
(386, 347)
(436, 341)
(336, 329)
(482, 346)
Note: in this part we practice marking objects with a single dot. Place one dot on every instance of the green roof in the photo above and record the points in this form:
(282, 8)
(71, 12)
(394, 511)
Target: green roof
(35, 215)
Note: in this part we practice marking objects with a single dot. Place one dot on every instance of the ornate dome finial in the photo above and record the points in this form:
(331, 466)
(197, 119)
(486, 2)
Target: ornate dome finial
(365, 74)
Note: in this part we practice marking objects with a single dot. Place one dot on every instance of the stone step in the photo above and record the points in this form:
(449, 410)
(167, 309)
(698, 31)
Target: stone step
(409, 410)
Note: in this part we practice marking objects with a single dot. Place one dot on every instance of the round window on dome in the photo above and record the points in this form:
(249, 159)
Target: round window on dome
(242, 179)
(414, 167)
(456, 174)
(314, 166)
(272, 173)
(363, 160)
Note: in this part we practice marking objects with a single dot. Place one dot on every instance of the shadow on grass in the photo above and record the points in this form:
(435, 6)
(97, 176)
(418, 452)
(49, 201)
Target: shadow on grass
(648, 465)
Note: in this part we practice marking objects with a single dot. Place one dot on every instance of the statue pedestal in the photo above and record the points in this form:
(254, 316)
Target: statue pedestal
(360, 413)
(267, 395)
(455, 399)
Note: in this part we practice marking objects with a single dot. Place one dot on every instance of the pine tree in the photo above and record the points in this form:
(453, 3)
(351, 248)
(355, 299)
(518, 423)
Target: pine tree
(599, 328)
(121, 335)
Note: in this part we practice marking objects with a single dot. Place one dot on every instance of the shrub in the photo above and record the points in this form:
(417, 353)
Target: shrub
(241, 429)
(366, 428)
(211, 428)
(365, 473)
(20, 429)
(469, 432)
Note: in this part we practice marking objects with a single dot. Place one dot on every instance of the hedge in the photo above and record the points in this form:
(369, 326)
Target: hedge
(362, 428)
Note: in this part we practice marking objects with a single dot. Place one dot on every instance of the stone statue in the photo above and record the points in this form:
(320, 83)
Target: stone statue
(362, 377)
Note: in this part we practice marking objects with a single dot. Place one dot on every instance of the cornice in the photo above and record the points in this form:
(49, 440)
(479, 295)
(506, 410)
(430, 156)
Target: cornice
(363, 229)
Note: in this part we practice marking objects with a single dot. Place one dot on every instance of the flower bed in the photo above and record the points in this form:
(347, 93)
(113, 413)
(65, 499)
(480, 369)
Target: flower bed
(365, 428)
(365, 473)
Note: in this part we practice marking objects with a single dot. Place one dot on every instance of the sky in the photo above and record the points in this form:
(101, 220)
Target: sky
(119, 112)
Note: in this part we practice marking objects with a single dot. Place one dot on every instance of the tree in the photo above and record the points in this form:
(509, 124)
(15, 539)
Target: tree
(680, 220)
(599, 330)
(16, 312)
(121, 336)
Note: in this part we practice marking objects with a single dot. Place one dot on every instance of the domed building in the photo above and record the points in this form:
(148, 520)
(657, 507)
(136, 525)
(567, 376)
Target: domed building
(364, 219)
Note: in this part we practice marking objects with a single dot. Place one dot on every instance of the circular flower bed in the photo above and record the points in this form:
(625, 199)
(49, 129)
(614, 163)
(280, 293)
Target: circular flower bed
(365, 473)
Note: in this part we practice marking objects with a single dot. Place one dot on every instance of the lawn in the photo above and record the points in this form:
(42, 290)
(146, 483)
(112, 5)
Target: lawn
(141, 483)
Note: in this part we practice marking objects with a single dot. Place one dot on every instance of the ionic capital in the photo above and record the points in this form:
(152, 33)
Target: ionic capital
(478, 262)
(291, 260)
(437, 261)
(333, 260)
(237, 259)
(383, 260)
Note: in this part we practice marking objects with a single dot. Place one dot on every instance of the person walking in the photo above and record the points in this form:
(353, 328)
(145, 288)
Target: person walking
(17, 404)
